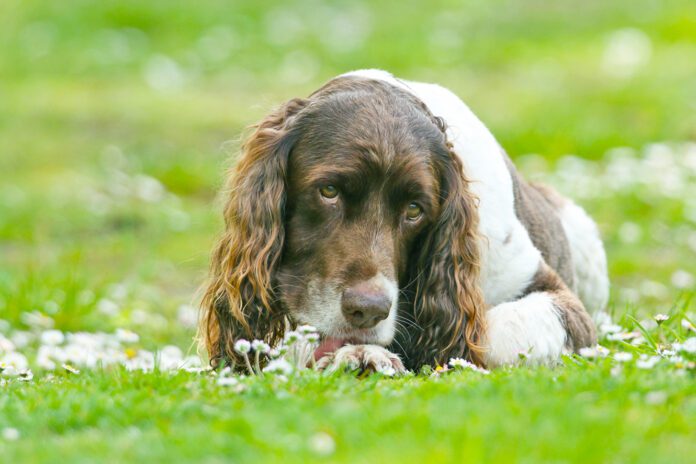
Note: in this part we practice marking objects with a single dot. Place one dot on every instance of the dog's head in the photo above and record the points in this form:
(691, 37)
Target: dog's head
(349, 211)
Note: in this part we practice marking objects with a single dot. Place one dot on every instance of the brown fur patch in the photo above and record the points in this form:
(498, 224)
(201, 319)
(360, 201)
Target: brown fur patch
(537, 206)
(577, 322)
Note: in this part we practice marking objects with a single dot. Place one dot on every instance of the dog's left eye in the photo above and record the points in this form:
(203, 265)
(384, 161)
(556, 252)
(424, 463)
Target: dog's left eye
(413, 211)
(329, 191)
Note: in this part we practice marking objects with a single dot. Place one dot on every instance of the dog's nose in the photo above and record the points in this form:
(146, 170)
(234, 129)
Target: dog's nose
(365, 304)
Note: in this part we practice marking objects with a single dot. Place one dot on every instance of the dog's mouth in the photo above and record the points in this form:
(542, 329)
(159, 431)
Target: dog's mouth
(328, 345)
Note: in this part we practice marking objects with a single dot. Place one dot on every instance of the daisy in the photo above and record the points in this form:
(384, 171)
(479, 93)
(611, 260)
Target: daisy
(10, 434)
(306, 329)
(291, 337)
(70, 369)
(610, 329)
(622, 356)
(689, 346)
(227, 381)
(660, 318)
(126, 336)
(588, 352)
(647, 362)
(52, 337)
(242, 346)
(279, 366)
(464, 364)
(260, 346)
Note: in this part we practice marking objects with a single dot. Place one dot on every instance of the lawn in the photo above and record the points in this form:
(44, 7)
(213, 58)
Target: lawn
(118, 120)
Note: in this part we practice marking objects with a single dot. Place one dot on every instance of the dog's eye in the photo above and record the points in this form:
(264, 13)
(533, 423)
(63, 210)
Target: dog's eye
(413, 211)
(329, 191)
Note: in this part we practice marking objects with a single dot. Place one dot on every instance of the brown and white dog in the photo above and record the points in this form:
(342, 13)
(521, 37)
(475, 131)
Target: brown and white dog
(385, 214)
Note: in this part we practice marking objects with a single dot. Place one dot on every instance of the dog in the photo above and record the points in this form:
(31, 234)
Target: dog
(385, 214)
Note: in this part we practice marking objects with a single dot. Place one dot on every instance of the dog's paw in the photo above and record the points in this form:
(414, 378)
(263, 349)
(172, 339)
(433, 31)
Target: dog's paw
(362, 358)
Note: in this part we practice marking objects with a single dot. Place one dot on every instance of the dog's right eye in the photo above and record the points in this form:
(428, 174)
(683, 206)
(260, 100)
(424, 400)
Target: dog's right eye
(329, 192)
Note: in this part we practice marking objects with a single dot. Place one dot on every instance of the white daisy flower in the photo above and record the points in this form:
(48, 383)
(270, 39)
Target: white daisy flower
(291, 337)
(660, 318)
(37, 320)
(6, 345)
(242, 346)
(25, 375)
(44, 362)
(227, 381)
(12, 363)
(108, 307)
(52, 337)
(260, 346)
(464, 364)
(689, 346)
(21, 338)
(306, 329)
(322, 444)
(610, 329)
(656, 397)
(665, 353)
(126, 336)
(10, 434)
(622, 356)
(602, 351)
(279, 366)
(647, 362)
(70, 369)
(187, 316)
(688, 325)
(312, 337)
(588, 352)
(621, 336)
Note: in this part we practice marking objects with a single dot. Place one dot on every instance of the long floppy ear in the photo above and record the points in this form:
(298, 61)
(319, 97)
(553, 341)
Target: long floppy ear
(446, 298)
(239, 301)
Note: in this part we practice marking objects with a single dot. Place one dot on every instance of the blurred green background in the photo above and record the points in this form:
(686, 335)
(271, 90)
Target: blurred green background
(119, 118)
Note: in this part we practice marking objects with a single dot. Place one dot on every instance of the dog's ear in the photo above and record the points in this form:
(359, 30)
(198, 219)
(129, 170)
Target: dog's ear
(239, 301)
(447, 301)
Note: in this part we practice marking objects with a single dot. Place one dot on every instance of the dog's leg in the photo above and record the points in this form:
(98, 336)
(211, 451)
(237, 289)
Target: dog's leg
(363, 358)
(545, 322)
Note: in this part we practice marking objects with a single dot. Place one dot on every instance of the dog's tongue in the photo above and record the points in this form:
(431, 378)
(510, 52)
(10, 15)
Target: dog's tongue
(327, 346)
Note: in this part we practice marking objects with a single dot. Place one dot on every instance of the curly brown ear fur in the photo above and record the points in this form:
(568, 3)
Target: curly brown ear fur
(239, 301)
(446, 298)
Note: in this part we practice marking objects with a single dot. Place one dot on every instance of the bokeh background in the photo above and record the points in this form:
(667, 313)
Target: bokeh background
(118, 120)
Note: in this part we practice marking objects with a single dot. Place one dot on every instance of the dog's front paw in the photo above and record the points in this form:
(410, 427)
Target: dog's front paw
(363, 358)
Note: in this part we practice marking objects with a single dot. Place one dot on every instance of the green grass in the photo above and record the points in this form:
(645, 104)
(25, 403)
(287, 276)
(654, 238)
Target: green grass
(99, 98)
(574, 414)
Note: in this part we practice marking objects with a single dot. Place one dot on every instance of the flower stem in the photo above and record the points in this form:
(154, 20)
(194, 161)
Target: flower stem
(257, 363)
(248, 364)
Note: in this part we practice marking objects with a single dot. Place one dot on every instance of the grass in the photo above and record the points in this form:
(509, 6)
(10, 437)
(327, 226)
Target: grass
(575, 414)
(118, 119)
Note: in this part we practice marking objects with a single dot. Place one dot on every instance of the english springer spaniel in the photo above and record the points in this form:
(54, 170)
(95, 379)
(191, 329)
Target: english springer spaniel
(384, 213)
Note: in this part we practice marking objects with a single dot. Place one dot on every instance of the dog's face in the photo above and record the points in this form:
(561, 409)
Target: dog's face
(362, 185)
(345, 209)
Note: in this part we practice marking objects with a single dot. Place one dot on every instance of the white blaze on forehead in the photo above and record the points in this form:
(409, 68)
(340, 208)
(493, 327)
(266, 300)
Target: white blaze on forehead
(322, 309)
